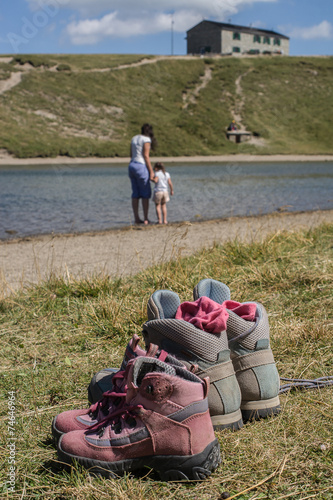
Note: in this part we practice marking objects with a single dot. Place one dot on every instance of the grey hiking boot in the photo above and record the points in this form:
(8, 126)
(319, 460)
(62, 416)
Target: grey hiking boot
(251, 354)
(194, 346)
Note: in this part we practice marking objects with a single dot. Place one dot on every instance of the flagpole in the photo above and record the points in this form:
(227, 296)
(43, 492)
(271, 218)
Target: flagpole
(172, 23)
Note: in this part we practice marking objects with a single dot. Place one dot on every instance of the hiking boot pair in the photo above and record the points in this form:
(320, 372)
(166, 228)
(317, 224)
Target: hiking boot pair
(228, 342)
(163, 422)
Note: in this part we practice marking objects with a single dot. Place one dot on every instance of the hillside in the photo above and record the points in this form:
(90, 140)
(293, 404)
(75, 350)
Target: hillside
(91, 105)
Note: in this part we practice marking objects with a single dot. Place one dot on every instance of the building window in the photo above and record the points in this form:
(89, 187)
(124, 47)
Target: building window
(277, 41)
(236, 36)
(266, 39)
(236, 49)
(257, 38)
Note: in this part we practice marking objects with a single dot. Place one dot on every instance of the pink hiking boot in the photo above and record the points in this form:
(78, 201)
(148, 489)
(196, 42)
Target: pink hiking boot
(164, 425)
(111, 400)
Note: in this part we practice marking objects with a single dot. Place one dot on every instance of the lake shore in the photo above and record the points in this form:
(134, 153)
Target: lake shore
(127, 251)
(6, 159)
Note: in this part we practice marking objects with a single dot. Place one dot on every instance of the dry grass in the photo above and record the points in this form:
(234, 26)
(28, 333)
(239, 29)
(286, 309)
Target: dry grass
(56, 335)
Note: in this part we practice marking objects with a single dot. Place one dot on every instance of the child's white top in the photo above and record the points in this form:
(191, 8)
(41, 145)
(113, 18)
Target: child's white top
(162, 183)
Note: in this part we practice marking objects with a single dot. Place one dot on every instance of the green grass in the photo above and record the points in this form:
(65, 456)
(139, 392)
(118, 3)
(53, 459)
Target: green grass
(56, 335)
(78, 62)
(65, 105)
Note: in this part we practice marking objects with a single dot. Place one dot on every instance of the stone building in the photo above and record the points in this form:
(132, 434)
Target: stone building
(230, 39)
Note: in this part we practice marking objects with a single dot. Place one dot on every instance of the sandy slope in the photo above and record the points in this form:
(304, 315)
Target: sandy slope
(128, 251)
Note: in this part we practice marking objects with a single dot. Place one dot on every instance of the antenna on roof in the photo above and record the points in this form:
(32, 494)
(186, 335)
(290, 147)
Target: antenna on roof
(172, 23)
(229, 21)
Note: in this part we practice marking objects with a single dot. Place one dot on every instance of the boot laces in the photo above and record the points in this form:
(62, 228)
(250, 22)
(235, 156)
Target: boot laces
(245, 334)
(116, 394)
(299, 383)
(116, 419)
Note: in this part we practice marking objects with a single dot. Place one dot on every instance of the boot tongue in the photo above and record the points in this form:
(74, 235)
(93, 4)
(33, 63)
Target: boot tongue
(133, 350)
(144, 365)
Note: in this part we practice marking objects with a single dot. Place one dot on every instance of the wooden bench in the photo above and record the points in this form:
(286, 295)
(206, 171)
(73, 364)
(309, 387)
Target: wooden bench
(238, 135)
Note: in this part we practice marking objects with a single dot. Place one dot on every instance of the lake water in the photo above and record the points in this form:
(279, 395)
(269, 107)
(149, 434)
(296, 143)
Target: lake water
(61, 198)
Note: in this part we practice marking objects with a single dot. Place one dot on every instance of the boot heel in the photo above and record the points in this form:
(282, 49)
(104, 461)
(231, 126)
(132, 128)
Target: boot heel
(232, 421)
(255, 410)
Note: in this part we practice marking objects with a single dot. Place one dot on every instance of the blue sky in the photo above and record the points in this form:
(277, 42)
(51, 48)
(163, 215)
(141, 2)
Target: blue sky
(154, 27)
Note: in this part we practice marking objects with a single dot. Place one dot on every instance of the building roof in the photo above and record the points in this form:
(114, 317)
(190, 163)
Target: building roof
(243, 29)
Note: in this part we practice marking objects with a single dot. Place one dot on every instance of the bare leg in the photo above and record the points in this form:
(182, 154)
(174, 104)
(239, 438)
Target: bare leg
(145, 206)
(158, 213)
(135, 206)
(164, 211)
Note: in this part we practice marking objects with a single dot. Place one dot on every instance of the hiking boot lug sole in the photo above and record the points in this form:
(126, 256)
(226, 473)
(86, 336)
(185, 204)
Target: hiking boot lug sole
(55, 432)
(255, 410)
(232, 421)
(169, 467)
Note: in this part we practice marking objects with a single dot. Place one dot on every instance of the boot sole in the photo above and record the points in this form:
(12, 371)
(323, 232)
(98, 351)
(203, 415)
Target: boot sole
(169, 467)
(255, 410)
(232, 421)
(56, 434)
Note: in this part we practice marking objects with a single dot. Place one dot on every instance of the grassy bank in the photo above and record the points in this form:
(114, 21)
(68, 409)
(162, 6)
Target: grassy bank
(91, 105)
(56, 335)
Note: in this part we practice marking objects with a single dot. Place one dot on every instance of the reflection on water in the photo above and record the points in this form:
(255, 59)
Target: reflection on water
(63, 198)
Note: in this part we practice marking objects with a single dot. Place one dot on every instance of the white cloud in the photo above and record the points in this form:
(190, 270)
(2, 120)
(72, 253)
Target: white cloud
(91, 31)
(99, 19)
(95, 7)
(322, 30)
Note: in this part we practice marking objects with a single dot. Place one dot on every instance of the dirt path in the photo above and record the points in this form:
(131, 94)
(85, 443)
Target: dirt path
(15, 78)
(237, 113)
(12, 81)
(190, 96)
(125, 252)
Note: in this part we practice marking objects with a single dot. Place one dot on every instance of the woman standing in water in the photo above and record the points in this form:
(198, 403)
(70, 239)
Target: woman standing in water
(140, 171)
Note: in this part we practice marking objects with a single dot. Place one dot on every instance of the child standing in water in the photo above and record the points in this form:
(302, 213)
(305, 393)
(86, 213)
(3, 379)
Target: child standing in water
(161, 191)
